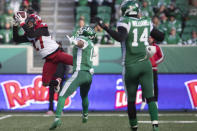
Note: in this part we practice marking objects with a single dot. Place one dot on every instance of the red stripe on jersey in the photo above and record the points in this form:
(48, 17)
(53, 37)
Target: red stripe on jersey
(41, 43)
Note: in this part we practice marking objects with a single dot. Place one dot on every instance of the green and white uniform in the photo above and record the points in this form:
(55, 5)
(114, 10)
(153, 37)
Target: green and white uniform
(172, 40)
(6, 36)
(82, 75)
(137, 67)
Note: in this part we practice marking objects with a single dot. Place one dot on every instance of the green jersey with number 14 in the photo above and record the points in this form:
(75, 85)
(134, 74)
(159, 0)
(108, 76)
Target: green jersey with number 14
(134, 48)
(82, 57)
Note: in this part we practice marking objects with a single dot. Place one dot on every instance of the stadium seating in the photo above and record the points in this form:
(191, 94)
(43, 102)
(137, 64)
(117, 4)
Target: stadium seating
(103, 10)
(83, 9)
(106, 17)
(83, 2)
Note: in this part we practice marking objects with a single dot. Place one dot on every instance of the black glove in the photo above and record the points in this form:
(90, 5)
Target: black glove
(100, 22)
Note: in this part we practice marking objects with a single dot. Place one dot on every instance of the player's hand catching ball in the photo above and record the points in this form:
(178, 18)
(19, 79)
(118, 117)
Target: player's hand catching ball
(20, 16)
(71, 40)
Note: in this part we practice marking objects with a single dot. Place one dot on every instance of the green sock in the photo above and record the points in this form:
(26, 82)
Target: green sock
(153, 111)
(85, 104)
(133, 122)
(60, 106)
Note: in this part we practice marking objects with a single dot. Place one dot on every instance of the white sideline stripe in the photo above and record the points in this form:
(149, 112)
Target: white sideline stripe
(4, 117)
(144, 122)
(99, 114)
(163, 122)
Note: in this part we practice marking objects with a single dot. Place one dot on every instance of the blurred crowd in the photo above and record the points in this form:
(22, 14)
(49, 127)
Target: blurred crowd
(8, 7)
(176, 18)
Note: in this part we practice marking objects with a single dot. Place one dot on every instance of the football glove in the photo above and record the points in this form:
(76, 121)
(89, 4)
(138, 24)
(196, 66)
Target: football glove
(19, 18)
(151, 50)
(100, 22)
(72, 40)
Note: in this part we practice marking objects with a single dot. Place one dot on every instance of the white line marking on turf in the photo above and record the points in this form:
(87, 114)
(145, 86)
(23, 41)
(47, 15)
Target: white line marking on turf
(186, 122)
(116, 115)
(4, 117)
(100, 114)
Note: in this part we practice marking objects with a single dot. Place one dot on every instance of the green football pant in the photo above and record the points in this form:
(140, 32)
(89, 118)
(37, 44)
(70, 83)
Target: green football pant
(135, 74)
(79, 78)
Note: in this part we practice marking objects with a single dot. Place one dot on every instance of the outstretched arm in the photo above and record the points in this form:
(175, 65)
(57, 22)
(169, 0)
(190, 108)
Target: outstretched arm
(17, 38)
(31, 33)
(120, 35)
(79, 43)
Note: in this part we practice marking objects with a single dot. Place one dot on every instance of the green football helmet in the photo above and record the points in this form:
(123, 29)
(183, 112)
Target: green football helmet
(87, 31)
(129, 7)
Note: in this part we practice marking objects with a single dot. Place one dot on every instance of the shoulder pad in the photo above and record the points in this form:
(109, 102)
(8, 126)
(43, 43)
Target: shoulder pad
(41, 25)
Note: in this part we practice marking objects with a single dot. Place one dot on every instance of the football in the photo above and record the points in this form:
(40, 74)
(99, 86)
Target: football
(22, 14)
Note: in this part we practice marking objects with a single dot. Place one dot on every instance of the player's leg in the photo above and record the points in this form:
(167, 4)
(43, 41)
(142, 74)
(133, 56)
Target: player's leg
(59, 74)
(146, 81)
(49, 69)
(51, 98)
(131, 85)
(155, 79)
(69, 87)
(58, 78)
(131, 107)
(64, 58)
(84, 89)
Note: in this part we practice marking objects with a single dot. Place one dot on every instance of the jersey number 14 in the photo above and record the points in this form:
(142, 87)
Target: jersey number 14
(143, 37)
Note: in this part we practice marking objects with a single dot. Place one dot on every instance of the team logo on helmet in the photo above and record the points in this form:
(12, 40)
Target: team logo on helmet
(129, 7)
(87, 31)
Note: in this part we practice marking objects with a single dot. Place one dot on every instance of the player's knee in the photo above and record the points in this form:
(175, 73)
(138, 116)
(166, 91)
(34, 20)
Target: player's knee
(151, 99)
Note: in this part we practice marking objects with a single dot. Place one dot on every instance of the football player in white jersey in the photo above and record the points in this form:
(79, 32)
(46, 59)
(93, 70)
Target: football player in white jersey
(37, 33)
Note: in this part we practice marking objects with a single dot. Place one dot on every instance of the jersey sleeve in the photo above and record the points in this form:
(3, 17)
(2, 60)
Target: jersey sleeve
(160, 55)
(123, 22)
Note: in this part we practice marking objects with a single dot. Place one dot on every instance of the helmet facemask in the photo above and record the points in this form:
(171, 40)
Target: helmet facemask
(129, 8)
(30, 22)
(87, 32)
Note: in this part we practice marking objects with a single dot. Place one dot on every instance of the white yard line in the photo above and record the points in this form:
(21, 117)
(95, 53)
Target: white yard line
(164, 122)
(102, 114)
(115, 115)
(4, 117)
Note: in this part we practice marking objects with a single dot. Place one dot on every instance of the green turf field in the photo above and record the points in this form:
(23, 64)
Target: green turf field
(97, 122)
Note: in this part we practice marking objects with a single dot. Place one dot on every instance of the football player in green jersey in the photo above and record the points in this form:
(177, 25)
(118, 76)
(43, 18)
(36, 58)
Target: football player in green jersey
(82, 72)
(133, 33)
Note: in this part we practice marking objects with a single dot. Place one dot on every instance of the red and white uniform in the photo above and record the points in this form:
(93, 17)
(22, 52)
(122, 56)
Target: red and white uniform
(47, 47)
(157, 58)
